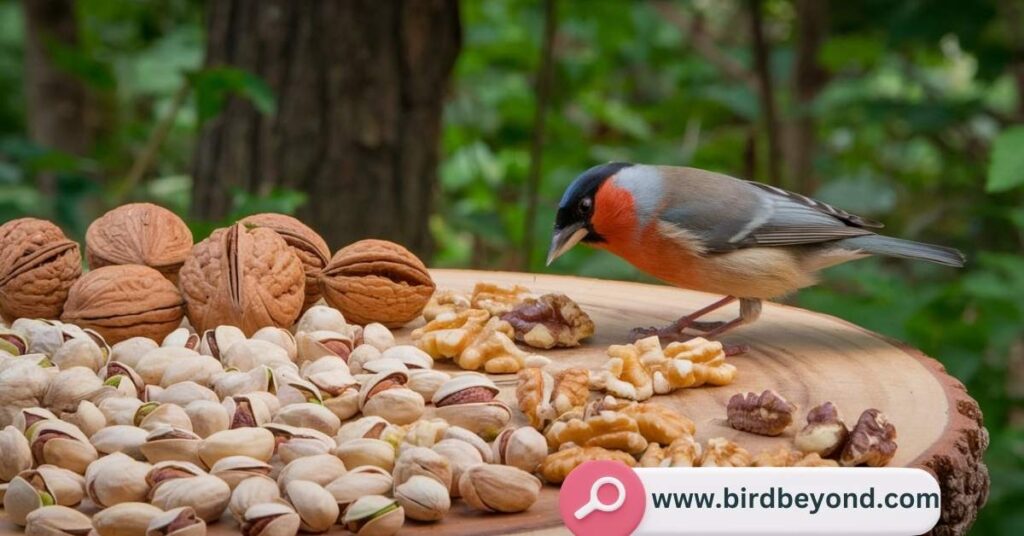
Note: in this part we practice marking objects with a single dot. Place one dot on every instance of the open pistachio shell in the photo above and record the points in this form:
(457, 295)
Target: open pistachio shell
(201, 369)
(523, 447)
(119, 410)
(485, 419)
(130, 351)
(279, 336)
(153, 415)
(248, 354)
(79, 353)
(270, 519)
(208, 417)
(499, 488)
(251, 491)
(385, 395)
(374, 515)
(309, 415)
(181, 521)
(26, 417)
(321, 318)
(371, 427)
(214, 342)
(295, 442)
(235, 469)
(246, 410)
(61, 444)
(70, 386)
(167, 443)
(170, 470)
(360, 356)
(87, 417)
(44, 486)
(425, 462)
(154, 363)
(360, 481)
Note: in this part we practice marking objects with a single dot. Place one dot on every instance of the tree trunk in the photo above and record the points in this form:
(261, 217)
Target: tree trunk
(60, 114)
(360, 88)
(809, 78)
(761, 49)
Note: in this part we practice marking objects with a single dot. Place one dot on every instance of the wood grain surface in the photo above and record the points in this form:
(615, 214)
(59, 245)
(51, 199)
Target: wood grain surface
(808, 357)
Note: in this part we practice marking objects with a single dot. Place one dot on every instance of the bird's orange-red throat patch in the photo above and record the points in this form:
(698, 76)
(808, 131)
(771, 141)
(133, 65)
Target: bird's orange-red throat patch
(614, 215)
(649, 249)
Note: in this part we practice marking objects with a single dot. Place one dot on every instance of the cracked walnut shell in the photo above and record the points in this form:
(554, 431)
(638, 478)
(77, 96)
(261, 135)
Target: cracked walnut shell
(377, 281)
(139, 233)
(124, 301)
(247, 278)
(558, 465)
(38, 265)
(767, 414)
(872, 441)
(307, 245)
(553, 320)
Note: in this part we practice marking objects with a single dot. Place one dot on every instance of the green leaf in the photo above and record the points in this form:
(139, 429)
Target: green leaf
(1006, 170)
(213, 86)
(78, 62)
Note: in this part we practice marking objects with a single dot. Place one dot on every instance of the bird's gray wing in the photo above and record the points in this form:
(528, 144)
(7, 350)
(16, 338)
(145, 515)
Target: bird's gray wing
(726, 214)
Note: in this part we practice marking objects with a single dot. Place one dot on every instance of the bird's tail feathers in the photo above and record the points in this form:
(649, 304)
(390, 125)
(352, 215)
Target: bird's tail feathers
(906, 249)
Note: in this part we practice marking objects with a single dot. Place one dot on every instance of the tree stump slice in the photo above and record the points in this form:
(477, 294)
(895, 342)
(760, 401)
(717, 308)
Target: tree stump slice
(808, 357)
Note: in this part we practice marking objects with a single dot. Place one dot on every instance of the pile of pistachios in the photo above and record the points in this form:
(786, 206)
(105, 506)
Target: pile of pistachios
(287, 430)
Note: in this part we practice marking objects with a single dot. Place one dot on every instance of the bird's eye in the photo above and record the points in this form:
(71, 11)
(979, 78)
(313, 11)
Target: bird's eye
(585, 205)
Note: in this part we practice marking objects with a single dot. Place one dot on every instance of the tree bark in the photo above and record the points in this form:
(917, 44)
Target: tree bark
(61, 112)
(360, 88)
(766, 90)
(809, 78)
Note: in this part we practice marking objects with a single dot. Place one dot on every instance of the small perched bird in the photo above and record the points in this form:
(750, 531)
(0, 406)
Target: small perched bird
(710, 232)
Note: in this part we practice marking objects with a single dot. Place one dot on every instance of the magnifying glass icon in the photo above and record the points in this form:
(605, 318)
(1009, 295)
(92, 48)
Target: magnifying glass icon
(595, 503)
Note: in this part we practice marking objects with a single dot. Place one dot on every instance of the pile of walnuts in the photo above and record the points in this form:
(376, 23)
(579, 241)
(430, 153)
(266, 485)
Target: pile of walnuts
(146, 274)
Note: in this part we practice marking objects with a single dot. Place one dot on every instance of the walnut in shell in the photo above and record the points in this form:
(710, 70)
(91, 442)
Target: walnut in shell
(553, 320)
(307, 245)
(139, 233)
(124, 301)
(377, 281)
(248, 278)
(38, 265)
(767, 414)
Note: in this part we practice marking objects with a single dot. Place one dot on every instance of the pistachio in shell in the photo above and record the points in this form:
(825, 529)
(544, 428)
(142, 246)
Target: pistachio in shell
(364, 451)
(45, 485)
(234, 469)
(499, 488)
(17, 456)
(124, 301)
(61, 444)
(38, 266)
(377, 281)
(385, 395)
(256, 443)
(139, 233)
(57, 521)
(270, 519)
(524, 447)
(374, 515)
(250, 491)
(125, 519)
(181, 521)
(320, 468)
(316, 507)
(360, 481)
(244, 277)
(423, 498)
(307, 245)
(116, 479)
(461, 456)
(206, 494)
(422, 461)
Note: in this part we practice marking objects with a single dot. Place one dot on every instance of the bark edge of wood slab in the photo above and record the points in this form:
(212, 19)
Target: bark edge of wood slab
(955, 458)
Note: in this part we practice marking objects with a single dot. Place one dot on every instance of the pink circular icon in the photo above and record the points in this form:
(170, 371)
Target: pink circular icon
(602, 498)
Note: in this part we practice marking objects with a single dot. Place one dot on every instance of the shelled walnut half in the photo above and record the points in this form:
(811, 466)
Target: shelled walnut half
(767, 414)
(553, 320)
(872, 441)
(543, 397)
(558, 465)
(640, 370)
(825, 433)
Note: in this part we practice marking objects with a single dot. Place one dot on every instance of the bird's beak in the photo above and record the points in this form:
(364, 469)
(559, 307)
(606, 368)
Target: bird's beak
(564, 240)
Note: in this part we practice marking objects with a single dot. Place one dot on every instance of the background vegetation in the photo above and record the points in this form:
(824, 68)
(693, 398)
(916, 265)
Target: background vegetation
(908, 112)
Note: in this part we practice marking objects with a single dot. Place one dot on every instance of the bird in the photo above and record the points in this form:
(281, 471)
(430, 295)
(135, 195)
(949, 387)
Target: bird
(711, 232)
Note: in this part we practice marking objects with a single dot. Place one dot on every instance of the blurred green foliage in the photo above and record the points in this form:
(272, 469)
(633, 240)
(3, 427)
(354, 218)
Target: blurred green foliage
(918, 126)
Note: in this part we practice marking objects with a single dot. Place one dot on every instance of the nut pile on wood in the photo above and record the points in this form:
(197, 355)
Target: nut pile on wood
(253, 376)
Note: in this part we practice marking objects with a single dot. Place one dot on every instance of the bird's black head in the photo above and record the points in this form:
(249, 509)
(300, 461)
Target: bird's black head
(572, 223)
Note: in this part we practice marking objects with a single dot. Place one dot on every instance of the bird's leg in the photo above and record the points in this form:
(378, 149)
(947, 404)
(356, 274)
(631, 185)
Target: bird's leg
(674, 331)
(750, 310)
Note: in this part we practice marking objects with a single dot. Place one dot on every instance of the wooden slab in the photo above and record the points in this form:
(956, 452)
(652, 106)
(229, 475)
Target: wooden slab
(808, 357)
